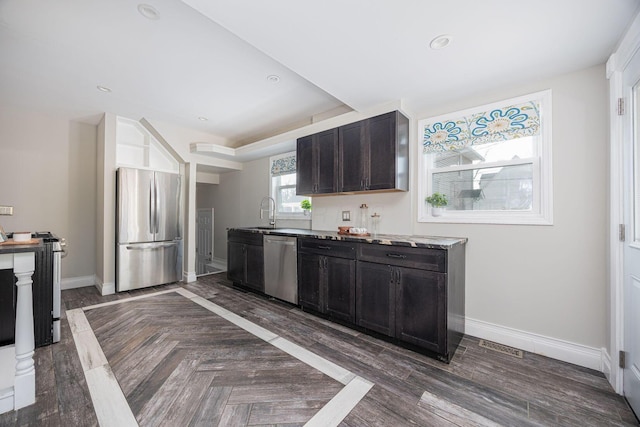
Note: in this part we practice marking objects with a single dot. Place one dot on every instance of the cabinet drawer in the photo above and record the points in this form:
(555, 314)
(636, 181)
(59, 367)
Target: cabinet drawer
(327, 248)
(421, 258)
(247, 237)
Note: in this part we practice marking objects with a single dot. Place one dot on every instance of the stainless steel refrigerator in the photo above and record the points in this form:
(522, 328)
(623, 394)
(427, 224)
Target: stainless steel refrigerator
(148, 228)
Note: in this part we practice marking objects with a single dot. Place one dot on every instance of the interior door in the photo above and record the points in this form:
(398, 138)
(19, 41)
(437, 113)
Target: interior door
(631, 251)
(204, 243)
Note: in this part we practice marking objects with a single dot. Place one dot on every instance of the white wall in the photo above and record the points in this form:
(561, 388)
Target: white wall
(48, 175)
(237, 202)
(549, 280)
(204, 195)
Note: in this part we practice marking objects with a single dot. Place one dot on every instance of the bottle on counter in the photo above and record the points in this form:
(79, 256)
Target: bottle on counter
(375, 224)
(363, 221)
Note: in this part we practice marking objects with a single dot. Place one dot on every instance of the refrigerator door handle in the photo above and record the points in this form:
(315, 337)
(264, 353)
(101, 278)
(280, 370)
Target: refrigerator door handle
(151, 208)
(150, 246)
(156, 207)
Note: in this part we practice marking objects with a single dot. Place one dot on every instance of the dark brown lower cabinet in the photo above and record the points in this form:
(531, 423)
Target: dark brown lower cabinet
(375, 297)
(415, 296)
(245, 260)
(421, 308)
(310, 281)
(326, 284)
(340, 288)
(403, 303)
(410, 296)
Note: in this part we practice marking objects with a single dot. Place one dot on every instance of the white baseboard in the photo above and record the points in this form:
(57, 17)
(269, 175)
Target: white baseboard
(606, 364)
(78, 282)
(105, 288)
(222, 262)
(189, 276)
(7, 400)
(554, 348)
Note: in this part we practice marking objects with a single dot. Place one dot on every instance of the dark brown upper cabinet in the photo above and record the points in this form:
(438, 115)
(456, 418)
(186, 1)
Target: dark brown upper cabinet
(369, 155)
(373, 154)
(317, 163)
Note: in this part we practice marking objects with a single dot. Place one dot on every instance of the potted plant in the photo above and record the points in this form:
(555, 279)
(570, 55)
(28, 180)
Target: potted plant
(306, 206)
(437, 201)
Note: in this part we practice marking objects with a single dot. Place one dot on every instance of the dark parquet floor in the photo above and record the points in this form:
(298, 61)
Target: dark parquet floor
(480, 387)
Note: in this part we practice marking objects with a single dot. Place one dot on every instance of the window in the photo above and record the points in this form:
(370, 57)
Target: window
(493, 163)
(283, 186)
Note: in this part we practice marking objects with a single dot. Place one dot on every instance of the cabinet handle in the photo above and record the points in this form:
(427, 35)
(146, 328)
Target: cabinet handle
(400, 256)
(324, 247)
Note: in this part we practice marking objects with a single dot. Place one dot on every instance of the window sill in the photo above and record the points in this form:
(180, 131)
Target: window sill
(486, 218)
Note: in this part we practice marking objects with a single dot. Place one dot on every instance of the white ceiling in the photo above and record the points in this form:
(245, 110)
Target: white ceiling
(211, 58)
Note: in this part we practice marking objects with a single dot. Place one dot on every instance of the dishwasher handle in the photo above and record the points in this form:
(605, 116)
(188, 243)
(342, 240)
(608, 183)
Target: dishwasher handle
(281, 242)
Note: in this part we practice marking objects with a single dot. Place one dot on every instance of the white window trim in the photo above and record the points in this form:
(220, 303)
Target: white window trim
(543, 173)
(287, 215)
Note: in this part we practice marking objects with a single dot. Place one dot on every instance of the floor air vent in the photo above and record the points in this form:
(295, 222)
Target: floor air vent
(504, 349)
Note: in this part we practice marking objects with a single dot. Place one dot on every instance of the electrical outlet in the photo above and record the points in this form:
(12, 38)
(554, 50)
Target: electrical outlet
(6, 210)
(346, 215)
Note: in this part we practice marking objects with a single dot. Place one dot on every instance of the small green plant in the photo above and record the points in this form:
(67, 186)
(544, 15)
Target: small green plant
(437, 200)
(306, 205)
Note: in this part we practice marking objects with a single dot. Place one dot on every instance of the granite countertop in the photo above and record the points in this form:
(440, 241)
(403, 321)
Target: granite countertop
(381, 239)
(11, 248)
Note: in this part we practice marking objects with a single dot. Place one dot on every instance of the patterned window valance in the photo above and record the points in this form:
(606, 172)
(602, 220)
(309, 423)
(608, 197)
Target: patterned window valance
(283, 165)
(498, 124)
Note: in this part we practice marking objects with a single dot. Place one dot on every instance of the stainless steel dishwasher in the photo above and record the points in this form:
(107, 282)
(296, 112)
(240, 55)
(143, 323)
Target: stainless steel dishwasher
(281, 268)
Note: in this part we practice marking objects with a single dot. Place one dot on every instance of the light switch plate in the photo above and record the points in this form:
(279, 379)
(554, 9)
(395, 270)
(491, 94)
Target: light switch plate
(346, 215)
(6, 210)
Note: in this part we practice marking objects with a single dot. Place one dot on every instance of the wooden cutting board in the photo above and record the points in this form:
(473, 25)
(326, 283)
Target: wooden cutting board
(11, 242)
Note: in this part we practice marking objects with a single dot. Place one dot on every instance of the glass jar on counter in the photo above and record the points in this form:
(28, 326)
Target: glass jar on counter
(375, 224)
(363, 220)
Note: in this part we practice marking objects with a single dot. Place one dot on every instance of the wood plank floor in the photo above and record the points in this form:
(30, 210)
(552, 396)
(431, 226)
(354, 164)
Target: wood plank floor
(480, 387)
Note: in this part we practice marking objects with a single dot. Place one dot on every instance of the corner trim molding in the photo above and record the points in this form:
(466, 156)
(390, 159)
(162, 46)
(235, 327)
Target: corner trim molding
(78, 282)
(189, 276)
(105, 288)
(578, 354)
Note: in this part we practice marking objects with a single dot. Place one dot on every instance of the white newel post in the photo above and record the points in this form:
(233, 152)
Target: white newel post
(25, 380)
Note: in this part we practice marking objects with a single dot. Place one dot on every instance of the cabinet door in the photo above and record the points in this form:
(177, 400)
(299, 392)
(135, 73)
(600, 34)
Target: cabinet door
(381, 148)
(309, 279)
(351, 157)
(421, 308)
(375, 297)
(340, 285)
(235, 262)
(255, 267)
(304, 166)
(326, 156)
(7, 306)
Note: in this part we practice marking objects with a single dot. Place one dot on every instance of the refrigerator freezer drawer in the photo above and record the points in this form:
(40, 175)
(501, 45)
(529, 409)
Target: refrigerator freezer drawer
(148, 264)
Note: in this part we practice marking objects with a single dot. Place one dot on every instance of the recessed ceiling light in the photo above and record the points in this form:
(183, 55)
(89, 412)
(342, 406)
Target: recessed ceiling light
(441, 41)
(148, 11)
(273, 78)
(103, 88)
(202, 119)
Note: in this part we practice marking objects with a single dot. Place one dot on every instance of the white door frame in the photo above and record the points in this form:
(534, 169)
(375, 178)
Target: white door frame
(616, 64)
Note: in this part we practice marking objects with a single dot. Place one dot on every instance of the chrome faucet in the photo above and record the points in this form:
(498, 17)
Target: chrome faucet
(272, 213)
